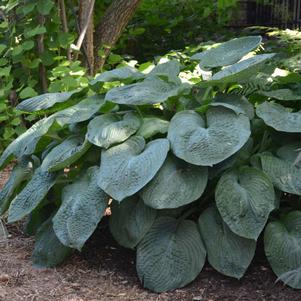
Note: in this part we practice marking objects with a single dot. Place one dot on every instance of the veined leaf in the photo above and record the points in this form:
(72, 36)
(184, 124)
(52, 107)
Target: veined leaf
(82, 111)
(26, 143)
(282, 244)
(239, 72)
(128, 167)
(170, 70)
(65, 154)
(118, 74)
(109, 129)
(48, 251)
(151, 91)
(83, 207)
(227, 252)
(245, 198)
(152, 126)
(20, 173)
(206, 144)
(44, 101)
(170, 255)
(177, 183)
(279, 118)
(130, 221)
(282, 94)
(30, 197)
(227, 53)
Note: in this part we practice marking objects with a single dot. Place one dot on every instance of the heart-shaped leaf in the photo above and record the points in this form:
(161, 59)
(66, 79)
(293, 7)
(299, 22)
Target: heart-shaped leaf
(109, 129)
(30, 197)
(206, 144)
(152, 126)
(83, 206)
(48, 250)
(118, 74)
(245, 198)
(130, 221)
(227, 53)
(282, 244)
(279, 117)
(128, 167)
(65, 154)
(227, 252)
(151, 91)
(177, 183)
(170, 255)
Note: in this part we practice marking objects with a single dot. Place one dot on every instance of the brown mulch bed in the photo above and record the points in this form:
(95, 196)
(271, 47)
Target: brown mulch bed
(104, 272)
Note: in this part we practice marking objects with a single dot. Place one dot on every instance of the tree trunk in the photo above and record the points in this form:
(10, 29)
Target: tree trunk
(87, 28)
(110, 28)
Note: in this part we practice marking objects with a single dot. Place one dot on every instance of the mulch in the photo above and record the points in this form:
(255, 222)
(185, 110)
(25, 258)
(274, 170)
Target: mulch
(105, 271)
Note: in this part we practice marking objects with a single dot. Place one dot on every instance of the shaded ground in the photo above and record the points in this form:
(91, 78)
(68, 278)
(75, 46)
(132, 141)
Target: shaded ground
(105, 272)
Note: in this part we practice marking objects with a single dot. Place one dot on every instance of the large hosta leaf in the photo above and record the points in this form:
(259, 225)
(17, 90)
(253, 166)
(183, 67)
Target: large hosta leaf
(245, 198)
(282, 94)
(109, 129)
(152, 126)
(227, 53)
(239, 72)
(20, 173)
(118, 74)
(170, 255)
(151, 91)
(30, 197)
(27, 142)
(176, 184)
(82, 111)
(282, 244)
(281, 169)
(83, 207)
(44, 101)
(227, 252)
(64, 154)
(279, 117)
(130, 221)
(128, 167)
(206, 144)
(48, 251)
(169, 69)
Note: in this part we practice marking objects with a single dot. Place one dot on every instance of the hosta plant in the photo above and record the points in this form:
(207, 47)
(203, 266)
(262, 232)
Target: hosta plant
(193, 164)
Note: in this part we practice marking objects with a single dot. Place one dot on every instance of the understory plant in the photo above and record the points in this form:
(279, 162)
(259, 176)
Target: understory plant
(197, 157)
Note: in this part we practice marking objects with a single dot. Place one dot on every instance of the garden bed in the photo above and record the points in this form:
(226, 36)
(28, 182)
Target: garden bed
(104, 271)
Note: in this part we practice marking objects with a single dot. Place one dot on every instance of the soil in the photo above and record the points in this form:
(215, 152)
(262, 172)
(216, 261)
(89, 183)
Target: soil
(104, 272)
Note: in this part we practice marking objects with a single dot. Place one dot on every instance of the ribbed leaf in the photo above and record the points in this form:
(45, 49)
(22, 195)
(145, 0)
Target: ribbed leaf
(30, 197)
(82, 111)
(170, 70)
(44, 101)
(239, 72)
(48, 251)
(65, 154)
(281, 170)
(27, 142)
(83, 206)
(279, 117)
(282, 94)
(152, 126)
(245, 198)
(282, 244)
(130, 221)
(227, 252)
(118, 74)
(109, 129)
(227, 53)
(151, 91)
(206, 144)
(128, 167)
(20, 173)
(177, 183)
(170, 255)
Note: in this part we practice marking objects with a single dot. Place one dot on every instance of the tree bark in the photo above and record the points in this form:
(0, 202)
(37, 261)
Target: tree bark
(64, 23)
(86, 24)
(108, 31)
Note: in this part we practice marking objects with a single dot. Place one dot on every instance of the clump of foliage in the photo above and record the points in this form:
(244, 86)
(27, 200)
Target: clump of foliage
(193, 161)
